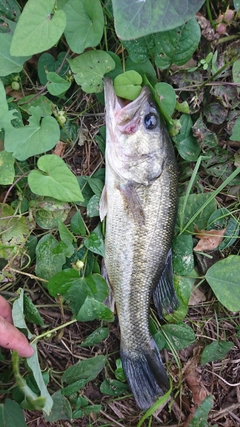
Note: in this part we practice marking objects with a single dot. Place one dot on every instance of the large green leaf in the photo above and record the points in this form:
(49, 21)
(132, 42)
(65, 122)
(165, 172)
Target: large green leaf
(50, 181)
(9, 64)
(85, 369)
(9, 9)
(216, 351)
(89, 69)
(11, 414)
(50, 257)
(223, 277)
(200, 416)
(177, 46)
(135, 19)
(190, 211)
(36, 138)
(38, 29)
(7, 171)
(84, 24)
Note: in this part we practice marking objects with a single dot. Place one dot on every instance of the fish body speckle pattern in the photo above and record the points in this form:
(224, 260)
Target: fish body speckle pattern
(139, 200)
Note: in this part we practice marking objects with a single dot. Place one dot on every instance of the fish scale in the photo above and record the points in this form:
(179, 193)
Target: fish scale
(139, 199)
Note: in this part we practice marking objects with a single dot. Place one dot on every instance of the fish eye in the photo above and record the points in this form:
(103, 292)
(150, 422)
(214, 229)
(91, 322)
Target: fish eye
(150, 121)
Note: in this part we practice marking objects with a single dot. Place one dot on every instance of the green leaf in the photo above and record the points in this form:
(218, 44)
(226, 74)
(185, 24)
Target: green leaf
(93, 309)
(7, 171)
(183, 287)
(14, 231)
(223, 277)
(95, 184)
(95, 337)
(200, 416)
(236, 4)
(113, 387)
(87, 411)
(38, 28)
(144, 69)
(95, 244)
(36, 138)
(33, 364)
(11, 414)
(61, 409)
(140, 49)
(62, 281)
(3, 101)
(137, 19)
(183, 261)
(188, 208)
(236, 71)
(77, 224)
(128, 85)
(236, 131)
(49, 212)
(9, 64)
(216, 351)
(10, 9)
(177, 46)
(93, 206)
(119, 372)
(89, 69)
(85, 369)
(85, 23)
(57, 85)
(167, 97)
(41, 101)
(31, 312)
(50, 182)
(50, 257)
(178, 336)
(186, 144)
(47, 63)
(18, 313)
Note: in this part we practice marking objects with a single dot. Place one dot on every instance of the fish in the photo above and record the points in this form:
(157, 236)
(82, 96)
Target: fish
(139, 201)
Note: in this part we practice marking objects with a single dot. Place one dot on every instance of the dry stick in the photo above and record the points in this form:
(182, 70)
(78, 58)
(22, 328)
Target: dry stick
(230, 385)
(28, 274)
(107, 416)
(224, 411)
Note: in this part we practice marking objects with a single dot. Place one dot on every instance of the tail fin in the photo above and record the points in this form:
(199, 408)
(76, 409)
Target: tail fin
(145, 373)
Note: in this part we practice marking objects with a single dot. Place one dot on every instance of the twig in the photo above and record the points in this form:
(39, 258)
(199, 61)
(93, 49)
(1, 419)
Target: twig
(226, 382)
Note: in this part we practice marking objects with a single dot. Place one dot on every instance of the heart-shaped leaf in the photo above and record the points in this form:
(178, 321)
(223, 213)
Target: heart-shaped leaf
(47, 63)
(135, 19)
(223, 277)
(38, 28)
(128, 85)
(9, 64)
(57, 84)
(35, 138)
(89, 69)
(56, 180)
(84, 24)
(177, 46)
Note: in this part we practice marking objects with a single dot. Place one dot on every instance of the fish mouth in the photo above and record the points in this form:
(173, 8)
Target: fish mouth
(116, 104)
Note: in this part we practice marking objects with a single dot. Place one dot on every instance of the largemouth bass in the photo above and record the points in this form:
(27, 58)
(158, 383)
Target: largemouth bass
(139, 199)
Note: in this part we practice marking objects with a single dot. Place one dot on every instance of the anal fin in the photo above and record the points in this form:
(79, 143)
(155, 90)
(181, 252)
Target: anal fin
(164, 296)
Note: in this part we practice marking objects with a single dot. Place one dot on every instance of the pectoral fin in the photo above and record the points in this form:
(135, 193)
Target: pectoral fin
(110, 300)
(103, 204)
(132, 202)
(164, 295)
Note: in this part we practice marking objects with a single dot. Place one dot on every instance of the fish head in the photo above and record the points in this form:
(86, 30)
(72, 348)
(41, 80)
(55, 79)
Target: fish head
(136, 136)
